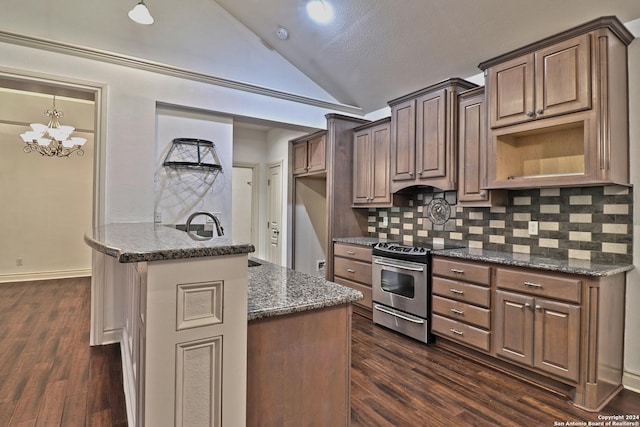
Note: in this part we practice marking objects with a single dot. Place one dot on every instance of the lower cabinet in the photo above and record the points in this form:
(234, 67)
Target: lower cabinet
(461, 302)
(563, 331)
(352, 268)
(538, 332)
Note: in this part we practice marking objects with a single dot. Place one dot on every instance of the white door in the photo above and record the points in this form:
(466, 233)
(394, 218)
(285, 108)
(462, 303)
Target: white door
(274, 212)
(242, 208)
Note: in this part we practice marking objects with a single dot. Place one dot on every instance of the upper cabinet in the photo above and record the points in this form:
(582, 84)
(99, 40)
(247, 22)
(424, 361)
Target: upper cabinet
(552, 81)
(472, 152)
(309, 154)
(371, 164)
(558, 110)
(423, 136)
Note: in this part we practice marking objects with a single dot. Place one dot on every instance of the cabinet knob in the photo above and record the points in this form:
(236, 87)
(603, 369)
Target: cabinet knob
(538, 307)
(420, 173)
(539, 111)
(410, 173)
(527, 305)
(529, 113)
(351, 270)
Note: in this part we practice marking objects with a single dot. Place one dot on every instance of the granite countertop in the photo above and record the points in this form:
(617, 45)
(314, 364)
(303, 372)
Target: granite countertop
(134, 242)
(275, 291)
(573, 266)
(362, 241)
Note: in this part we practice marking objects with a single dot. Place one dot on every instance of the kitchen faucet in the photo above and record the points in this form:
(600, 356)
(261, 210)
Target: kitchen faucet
(215, 219)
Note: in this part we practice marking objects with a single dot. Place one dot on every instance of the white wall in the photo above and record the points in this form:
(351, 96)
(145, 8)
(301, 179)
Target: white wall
(632, 323)
(310, 234)
(180, 192)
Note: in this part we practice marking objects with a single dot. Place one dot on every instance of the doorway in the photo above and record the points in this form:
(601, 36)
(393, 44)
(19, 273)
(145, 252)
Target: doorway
(274, 213)
(244, 203)
(50, 202)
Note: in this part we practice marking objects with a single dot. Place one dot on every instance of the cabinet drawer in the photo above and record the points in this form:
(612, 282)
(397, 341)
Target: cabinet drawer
(460, 291)
(362, 253)
(546, 285)
(463, 312)
(461, 332)
(352, 270)
(459, 270)
(366, 291)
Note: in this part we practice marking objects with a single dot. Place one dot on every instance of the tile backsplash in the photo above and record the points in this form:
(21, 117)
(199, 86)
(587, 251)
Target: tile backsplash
(591, 223)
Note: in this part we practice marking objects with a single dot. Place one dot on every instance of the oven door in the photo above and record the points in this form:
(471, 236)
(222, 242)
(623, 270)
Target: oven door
(401, 285)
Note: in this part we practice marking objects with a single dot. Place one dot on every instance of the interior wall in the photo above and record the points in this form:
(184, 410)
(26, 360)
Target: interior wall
(180, 192)
(310, 239)
(632, 323)
(46, 202)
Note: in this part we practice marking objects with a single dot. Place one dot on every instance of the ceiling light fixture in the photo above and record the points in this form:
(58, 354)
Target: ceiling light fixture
(320, 11)
(141, 14)
(52, 140)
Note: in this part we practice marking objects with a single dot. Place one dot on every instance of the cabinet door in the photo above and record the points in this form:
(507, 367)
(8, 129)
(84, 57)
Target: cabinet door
(431, 110)
(514, 327)
(563, 77)
(511, 86)
(316, 158)
(472, 152)
(403, 141)
(557, 338)
(361, 167)
(379, 174)
(299, 158)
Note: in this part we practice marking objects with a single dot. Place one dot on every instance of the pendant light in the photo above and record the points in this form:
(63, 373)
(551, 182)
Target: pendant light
(141, 14)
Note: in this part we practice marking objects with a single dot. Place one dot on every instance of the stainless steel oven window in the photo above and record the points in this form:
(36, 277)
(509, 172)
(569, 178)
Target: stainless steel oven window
(398, 283)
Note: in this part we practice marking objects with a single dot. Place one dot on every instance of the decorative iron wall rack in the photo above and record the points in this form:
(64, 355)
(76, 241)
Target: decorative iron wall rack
(193, 154)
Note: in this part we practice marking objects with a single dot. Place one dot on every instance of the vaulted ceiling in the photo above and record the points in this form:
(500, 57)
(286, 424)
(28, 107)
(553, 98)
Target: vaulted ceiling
(377, 50)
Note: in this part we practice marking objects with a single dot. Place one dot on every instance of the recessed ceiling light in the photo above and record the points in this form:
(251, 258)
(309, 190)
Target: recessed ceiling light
(320, 11)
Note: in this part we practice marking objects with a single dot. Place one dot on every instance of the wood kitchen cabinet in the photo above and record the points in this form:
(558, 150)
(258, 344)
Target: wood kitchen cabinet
(472, 152)
(352, 268)
(558, 110)
(461, 302)
(309, 154)
(538, 332)
(371, 164)
(562, 331)
(423, 136)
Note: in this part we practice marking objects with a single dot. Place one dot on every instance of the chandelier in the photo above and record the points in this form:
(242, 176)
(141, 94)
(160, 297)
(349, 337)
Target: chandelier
(52, 140)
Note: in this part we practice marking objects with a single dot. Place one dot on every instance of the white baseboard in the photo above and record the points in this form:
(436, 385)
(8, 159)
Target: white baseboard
(631, 381)
(47, 275)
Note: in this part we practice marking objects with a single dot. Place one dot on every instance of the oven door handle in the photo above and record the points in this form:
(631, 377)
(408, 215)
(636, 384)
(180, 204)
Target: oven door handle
(401, 267)
(396, 314)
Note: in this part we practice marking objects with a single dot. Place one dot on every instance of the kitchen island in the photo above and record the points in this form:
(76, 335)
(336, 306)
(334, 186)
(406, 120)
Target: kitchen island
(179, 306)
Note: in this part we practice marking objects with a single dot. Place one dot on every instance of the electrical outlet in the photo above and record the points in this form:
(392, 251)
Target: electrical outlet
(385, 221)
(18, 262)
(320, 264)
(533, 228)
(157, 217)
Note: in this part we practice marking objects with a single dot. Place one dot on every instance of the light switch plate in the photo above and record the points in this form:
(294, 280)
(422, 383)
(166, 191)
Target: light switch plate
(533, 228)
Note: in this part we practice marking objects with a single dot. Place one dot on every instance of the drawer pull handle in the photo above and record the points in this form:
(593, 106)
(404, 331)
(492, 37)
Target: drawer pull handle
(532, 284)
(457, 271)
(457, 332)
(456, 291)
(350, 270)
(456, 311)
(351, 252)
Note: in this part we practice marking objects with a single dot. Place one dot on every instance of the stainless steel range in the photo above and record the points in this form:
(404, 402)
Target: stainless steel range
(402, 289)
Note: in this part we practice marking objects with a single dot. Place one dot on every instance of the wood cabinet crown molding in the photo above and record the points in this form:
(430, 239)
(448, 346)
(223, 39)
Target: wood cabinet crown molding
(610, 22)
(454, 81)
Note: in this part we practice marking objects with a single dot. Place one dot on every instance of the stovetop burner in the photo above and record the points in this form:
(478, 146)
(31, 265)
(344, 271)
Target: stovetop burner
(408, 253)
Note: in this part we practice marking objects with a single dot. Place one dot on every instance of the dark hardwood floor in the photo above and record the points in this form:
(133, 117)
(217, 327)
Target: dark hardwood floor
(396, 381)
(50, 376)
